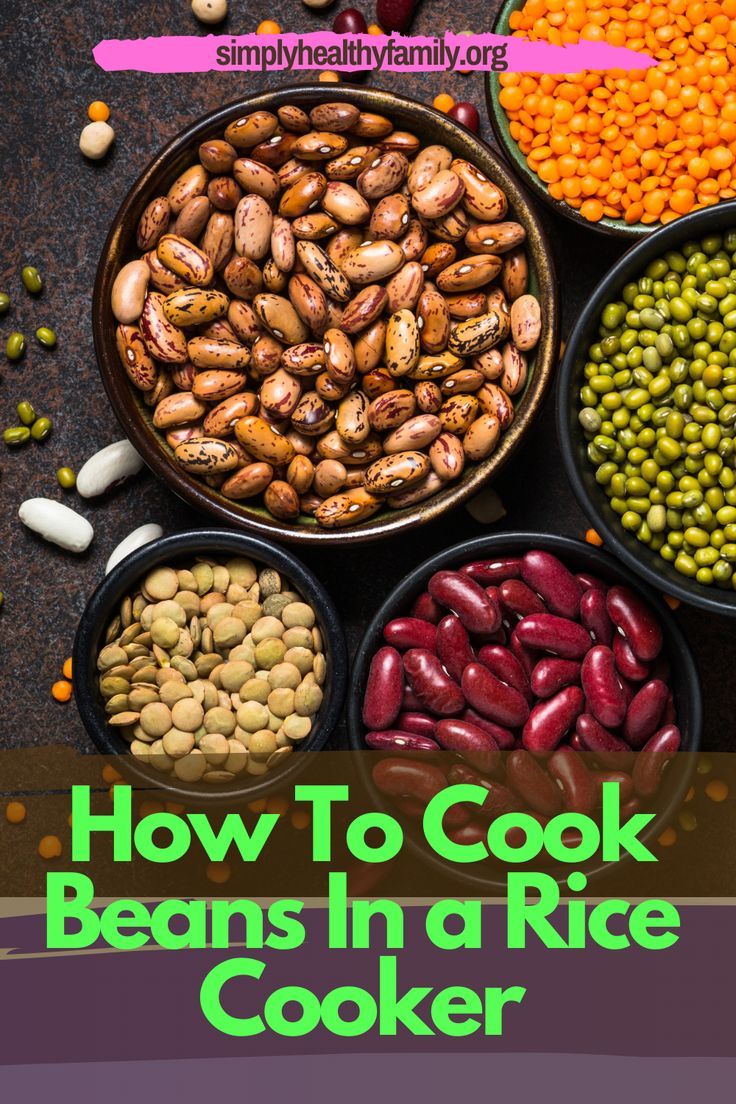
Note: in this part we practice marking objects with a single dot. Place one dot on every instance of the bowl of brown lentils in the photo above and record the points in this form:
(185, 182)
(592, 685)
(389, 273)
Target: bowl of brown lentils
(326, 316)
(210, 662)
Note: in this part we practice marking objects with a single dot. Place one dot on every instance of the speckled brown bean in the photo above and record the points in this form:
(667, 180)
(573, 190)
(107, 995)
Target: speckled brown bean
(468, 304)
(469, 273)
(498, 237)
(450, 228)
(434, 321)
(330, 389)
(324, 272)
(280, 394)
(163, 340)
(162, 278)
(332, 447)
(221, 419)
(243, 278)
(483, 199)
(242, 318)
(248, 482)
(417, 432)
(414, 241)
(458, 412)
(464, 382)
(274, 280)
(428, 397)
(192, 182)
(337, 117)
(372, 261)
(433, 366)
(223, 193)
(391, 410)
(263, 441)
(309, 302)
(405, 287)
(319, 145)
(347, 508)
(395, 473)
(253, 224)
(206, 455)
(384, 176)
(349, 165)
(339, 356)
(217, 156)
(194, 306)
(312, 415)
(161, 389)
(283, 246)
(345, 203)
(215, 384)
(276, 151)
(314, 227)
(447, 457)
(250, 130)
(390, 217)
(192, 218)
(426, 165)
(153, 223)
(300, 474)
(305, 359)
(494, 400)
(364, 309)
(436, 257)
(211, 352)
(402, 343)
(526, 322)
(439, 196)
(490, 364)
(369, 346)
(184, 259)
(135, 358)
(256, 179)
(182, 376)
(513, 377)
(281, 500)
(304, 194)
(293, 118)
(515, 273)
(475, 335)
(378, 382)
(266, 353)
(218, 239)
(482, 437)
(279, 317)
(425, 488)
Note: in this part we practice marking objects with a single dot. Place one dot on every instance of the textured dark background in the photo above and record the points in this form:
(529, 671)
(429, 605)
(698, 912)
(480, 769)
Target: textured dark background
(55, 211)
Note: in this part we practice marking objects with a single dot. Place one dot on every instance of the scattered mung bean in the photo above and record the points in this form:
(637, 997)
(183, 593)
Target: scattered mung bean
(15, 346)
(31, 278)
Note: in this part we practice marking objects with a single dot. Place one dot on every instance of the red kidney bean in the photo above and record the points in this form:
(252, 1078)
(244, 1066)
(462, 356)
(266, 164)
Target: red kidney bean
(500, 799)
(627, 663)
(516, 837)
(453, 646)
(558, 587)
(475, 831)
(410, 701)
(594, 616)
(455, 817)
(430, 682)
(427, 609)
(461, 594)
(504, 737)
(554, 634)
(520, 599)
(395, 739)
(670, 713)
(550, 720)
(409, 807)
(608, 749)
(645, 712)
(421, 724)
(527, 657)
(636, 621)
(505, 666)
(590, 582)
(486, 572)
(573, 777)
(602, 687)
(575, 742)
(532, 783)
(410, 632)
(621, 778)
(632, 806)
(384, 689)
(473, 744)
(661, 668)
(405, 777)
(552, 674)
(493, 698)
(653, 758)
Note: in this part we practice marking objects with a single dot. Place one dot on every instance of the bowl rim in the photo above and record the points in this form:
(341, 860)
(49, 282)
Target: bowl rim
(508, 542)
(628, 548)
(196, 494)
(607, 227)
(101, 605)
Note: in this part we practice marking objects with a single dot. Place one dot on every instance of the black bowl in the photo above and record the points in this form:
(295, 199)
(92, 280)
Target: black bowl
(102, 606)
(577, 556)
(581, 473)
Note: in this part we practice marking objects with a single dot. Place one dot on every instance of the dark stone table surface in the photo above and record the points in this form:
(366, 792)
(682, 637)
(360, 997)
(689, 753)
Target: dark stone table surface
(54, 213)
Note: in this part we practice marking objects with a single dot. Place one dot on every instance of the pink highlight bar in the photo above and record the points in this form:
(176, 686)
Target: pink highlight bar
(351, 53)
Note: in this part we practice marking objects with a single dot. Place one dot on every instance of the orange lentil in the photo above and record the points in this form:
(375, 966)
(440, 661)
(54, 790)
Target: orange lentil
(671, 128)
(328, 76)
(268, 26)
(717, 790)
(218, 872)
(257, 806)
(672, 602)
(66, 670)
(277, 804)
(668, 838)
(374, 29)
(61, 691)
(110, 775)
(300, 819)
(49, 847)
(592, 537)
(98, 111)
(443, 102)
(148, 808)
(15, 812)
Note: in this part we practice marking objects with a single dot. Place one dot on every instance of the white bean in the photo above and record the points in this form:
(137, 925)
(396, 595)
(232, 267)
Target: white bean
(140, 536)
(96, 139)
(57, 523)
(107, 467)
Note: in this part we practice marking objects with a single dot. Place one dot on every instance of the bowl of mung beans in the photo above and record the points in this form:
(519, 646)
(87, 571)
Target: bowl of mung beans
(210, 662)
(326, 316)
(646, 409)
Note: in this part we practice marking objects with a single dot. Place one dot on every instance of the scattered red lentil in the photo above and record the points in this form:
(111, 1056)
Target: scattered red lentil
(592, 537)
(668, 838)
(15, 812)
(61, 691)
(49, 847)
(717, 790)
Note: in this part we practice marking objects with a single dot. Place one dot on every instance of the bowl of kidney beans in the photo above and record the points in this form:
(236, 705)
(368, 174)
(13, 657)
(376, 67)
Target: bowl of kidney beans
(535, 666)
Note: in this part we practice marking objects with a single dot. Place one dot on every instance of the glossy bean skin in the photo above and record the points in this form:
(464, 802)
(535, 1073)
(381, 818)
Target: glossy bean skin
(594, 616)
(504, 737)
(384, 689)
(471, 743)
(626, 662)
(551, 675)
(434, 688)
(505, 666)
(500, 799)
(493, 698)
(427, 609)
(475, 831)
(405, 777)
(420, 724)
(396, 740)
(466, 598)
(526, 656)
(636, 621)
(453, 646)
(644, 715)
(410, 632)
(609, 749)
(623, 780)
(532, 783)
(549, 577)
(602, 686)
(520, 599)
(574, 780)
(550, 720)
(552, 633)
(589, 581)
(487, 572)
(409, 701)
(653, 758)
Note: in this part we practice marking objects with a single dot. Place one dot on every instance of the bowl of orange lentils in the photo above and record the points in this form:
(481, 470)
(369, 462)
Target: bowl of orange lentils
(621, 151)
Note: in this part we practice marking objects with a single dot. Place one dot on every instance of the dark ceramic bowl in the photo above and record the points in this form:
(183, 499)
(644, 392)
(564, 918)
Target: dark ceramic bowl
(103, 606)
(581, 473)
(617, 228)
(135, 417)
(579, 557)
